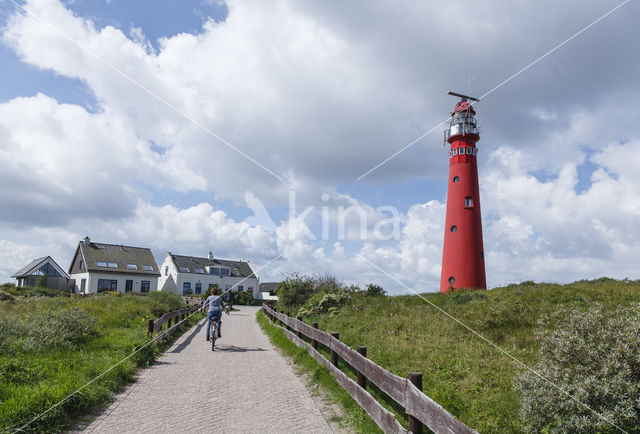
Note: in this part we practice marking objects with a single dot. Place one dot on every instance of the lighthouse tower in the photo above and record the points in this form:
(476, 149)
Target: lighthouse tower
(463, 253)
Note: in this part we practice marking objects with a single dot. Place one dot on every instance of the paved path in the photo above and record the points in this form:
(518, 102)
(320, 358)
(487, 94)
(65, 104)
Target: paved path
(246, 385)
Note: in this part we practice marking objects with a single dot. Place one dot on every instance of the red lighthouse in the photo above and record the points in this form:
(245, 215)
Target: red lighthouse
(463, 253)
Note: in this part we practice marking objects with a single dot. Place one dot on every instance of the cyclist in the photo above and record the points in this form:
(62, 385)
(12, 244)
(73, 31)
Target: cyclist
(215, 304)
(228, 299)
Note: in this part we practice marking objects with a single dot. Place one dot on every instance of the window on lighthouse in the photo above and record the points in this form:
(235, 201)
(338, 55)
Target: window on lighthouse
(468, 202)
(455, 152)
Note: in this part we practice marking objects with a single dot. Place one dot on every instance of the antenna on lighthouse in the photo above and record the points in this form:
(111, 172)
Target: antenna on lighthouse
(464, 97)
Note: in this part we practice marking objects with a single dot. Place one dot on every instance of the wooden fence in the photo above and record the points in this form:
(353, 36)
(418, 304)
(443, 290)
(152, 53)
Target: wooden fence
(407, 392)
(175, 316)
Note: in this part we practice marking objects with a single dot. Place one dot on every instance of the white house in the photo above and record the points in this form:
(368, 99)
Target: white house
(98, 267)
(186, 275)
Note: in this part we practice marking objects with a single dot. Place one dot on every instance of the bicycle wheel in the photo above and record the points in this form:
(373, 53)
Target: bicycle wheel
(214, 335)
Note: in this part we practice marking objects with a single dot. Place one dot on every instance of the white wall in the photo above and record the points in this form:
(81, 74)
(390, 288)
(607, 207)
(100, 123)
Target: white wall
(92, 281)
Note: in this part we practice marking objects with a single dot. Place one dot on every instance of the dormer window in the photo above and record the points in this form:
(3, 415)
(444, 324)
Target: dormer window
(132, 267)
(214, 271)
(101, 264)
(112, 264)
(184, 269)
(455, 151)
(147, 267)
(224, 272)
(199, 271)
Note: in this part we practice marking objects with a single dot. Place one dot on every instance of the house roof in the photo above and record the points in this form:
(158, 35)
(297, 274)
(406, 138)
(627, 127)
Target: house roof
(269, 286)
(36, 264)
(237, 268)
(122, 256)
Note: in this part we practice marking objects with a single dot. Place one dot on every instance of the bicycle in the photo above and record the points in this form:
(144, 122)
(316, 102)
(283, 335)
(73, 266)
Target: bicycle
(213, 332)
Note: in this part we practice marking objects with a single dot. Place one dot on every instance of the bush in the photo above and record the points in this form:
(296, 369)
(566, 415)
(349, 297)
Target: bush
(375, 290)
(41, 281)
(245, 298)
(595, 357)
(295, 290)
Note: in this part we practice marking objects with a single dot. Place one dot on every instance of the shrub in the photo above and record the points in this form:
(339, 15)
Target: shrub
(375, 290)
(6, 297)
(245, 298)
(295, 290)
(595, 357)
(41, 281)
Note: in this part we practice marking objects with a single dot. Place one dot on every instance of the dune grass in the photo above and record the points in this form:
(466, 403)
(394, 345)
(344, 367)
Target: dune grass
(38, 370)
(465, 374)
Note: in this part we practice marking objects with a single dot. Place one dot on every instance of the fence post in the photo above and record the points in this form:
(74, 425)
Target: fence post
(361, 379)
(415, 426)
(169, 323)
(289, 315)
(334, 355)
(314, 343)
(299, 332)
(150, 328)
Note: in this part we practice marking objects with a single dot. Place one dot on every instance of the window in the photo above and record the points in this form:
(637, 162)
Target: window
(198, 288)
(147, 267)
(475, 151)
(128, 286)
(199, 271)
(468, 151)
(145, 285)
(112, 264)
(224, 272)
(184, 269)
(107, 285)
(455, 152)
(81, 264)
(468, 202)
(166, 270)
(214, 271)
(186, 288)
(451, 280)
(132, 267)
(101, 264)
(456, 179)
(83, 285)
(250, 289)
(240, 288)
(454, 228)
(450, 154)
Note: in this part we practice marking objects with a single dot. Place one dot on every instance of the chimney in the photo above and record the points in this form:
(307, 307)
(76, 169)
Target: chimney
(210, 255)
(87, 241)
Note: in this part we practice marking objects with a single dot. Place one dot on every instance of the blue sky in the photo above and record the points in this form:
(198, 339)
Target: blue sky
(318, 93)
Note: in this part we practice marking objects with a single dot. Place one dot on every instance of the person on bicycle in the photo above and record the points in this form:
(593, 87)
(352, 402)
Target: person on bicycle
(214, 304)
(228, 299)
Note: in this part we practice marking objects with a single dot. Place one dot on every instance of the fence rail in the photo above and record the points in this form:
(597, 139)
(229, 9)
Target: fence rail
(405, 391)
(175, 316)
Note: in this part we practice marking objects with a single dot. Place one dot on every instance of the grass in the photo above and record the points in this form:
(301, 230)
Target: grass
(462, 372)
(36, 373)
(353, 416)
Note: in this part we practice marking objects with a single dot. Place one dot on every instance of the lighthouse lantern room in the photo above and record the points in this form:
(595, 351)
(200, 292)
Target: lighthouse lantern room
(463, 251)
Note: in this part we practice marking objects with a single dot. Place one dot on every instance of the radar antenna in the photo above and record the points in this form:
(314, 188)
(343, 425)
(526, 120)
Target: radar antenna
(464, 97)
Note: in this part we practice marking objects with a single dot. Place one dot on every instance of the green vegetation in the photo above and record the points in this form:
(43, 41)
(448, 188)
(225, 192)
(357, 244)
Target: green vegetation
(28, 291)
(51, 346)
(472, 379)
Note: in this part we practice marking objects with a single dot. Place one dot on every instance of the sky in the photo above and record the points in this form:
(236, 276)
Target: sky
(245, 128)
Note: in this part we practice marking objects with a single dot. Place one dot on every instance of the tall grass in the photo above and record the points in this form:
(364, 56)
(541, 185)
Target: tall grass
(53, 346)
(462, 372)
